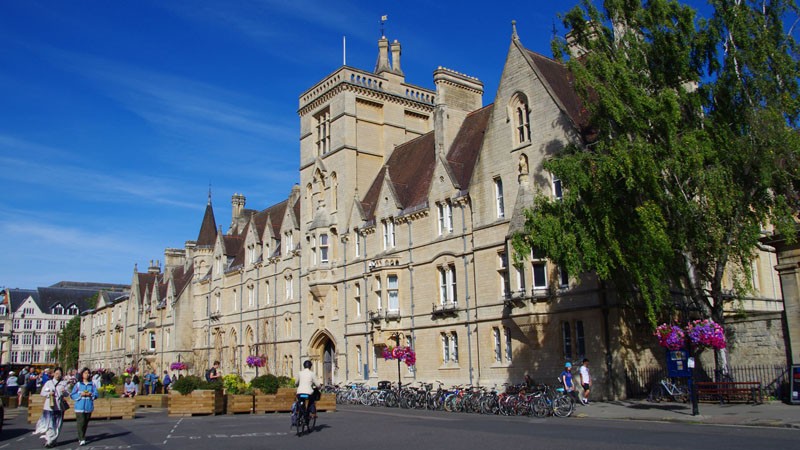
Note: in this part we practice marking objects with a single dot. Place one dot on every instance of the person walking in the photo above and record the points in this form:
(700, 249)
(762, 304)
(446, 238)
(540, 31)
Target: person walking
(166, 381)
(586, 381)
(566, 380)
(150, 382)
(49, 425)
(12, 386)
(84, 394)
(212, 374)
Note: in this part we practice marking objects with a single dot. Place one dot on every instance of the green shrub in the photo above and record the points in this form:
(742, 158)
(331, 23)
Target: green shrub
(190, 383)
(268, 384)
(107, 391)
(234, 384)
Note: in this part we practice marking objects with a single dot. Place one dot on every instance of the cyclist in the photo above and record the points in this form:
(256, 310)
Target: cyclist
(306, 382)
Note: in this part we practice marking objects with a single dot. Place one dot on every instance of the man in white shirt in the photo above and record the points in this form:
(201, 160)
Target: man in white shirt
(586, 381)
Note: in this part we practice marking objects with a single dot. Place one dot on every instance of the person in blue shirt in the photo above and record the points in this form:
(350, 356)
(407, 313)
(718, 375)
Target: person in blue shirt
(566, 380)
(150, 382)
(84, 394)
(166, 381)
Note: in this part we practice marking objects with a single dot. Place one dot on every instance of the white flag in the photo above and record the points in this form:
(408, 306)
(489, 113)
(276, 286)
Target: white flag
(384, 18)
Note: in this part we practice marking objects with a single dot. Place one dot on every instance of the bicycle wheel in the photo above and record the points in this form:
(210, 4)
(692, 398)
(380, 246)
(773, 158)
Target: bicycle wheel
(390, 400)
(540, 407)
(680, 394)
(563, 406)
(657, 394)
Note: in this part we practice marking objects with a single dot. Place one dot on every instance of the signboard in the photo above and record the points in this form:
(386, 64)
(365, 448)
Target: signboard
(678, 364)
(794, 384)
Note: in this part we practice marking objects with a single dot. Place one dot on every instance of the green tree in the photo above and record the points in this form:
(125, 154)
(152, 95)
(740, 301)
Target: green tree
(694, 149)
(67, 351)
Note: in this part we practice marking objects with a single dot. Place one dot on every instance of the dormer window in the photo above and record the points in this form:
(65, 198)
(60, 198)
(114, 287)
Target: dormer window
(323, 120)
(58, 309)
(520, 114)
(72, 310)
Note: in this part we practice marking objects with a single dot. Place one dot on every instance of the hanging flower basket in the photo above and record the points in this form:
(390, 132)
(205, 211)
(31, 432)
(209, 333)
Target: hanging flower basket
(256, 361)
(706, 333)
(405, 354)
(671, 337)
(178, 366)
(130, 370)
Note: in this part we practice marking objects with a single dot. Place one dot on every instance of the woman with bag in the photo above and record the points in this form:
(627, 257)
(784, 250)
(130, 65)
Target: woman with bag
(49, 425)
(84, 394)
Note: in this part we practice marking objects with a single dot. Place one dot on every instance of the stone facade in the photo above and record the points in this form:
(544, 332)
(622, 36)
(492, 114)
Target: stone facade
(398, 233)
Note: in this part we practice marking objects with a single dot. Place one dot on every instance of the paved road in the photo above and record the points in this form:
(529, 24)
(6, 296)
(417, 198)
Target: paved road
(384, 429)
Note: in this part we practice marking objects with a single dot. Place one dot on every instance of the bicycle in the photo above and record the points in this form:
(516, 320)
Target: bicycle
(666, 389)
(299, 417)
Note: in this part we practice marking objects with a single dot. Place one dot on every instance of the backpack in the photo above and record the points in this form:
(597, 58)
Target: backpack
(208, 375)
(294, 414)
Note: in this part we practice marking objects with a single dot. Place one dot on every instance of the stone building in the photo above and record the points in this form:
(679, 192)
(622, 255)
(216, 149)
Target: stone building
(398, 233)
(36, 316)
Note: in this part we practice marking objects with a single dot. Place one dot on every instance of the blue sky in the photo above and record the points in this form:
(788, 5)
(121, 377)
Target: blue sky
(116, 116)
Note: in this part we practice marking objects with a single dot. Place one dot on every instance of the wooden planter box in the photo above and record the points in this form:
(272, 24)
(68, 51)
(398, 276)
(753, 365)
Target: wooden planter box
(236, 403)
(197, 402)
(151, 401)
(283, 400)
(104, 408)
(10, 401)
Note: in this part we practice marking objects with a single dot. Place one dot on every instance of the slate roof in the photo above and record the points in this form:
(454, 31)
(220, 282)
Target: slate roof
(208, 229)
(47, 297)
(181, 278)
(562, 84)
(467, 145)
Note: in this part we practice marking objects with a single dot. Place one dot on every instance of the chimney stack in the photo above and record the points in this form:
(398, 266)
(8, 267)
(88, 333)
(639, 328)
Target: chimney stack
(396, 58)
(456, 96)
(383, 56)
(237, 206)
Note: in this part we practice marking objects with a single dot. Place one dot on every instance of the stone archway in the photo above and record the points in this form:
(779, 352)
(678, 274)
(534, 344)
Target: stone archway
(322, 350)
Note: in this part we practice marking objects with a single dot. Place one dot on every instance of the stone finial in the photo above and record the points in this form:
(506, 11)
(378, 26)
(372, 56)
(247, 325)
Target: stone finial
(396, 58)
(514, 35)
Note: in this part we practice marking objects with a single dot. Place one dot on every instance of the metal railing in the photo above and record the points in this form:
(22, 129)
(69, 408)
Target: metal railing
(773, 378)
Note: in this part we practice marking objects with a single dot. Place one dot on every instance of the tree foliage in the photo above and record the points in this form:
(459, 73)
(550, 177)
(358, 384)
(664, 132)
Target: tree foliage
(695, 148)
(69, 338)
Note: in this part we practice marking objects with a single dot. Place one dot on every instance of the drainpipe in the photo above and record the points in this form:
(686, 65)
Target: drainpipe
(411, 287)
(466, 288)
(344, 277)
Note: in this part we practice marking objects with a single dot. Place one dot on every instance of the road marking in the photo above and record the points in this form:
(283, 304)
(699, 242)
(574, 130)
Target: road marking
(406, 416)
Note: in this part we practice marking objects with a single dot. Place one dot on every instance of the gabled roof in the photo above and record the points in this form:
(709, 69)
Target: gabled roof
(17, 296)
(181, 278)
(561, 84)
(410, 169)
(146, 282)
(467, 145)
(232, 244)
(208, 229)
(274, 214)
(47, 297)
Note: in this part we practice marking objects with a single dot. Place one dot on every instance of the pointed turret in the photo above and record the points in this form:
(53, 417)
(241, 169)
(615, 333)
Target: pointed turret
(208, 230)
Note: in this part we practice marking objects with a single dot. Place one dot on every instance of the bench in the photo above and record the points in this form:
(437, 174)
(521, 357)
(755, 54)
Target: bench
(729, 391)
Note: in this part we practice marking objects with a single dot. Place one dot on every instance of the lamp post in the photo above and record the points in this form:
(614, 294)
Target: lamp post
(396, 337)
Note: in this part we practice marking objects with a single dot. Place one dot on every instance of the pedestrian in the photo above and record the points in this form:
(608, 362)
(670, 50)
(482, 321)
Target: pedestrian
(12, 385)
(566, 380)
(54, 391)
(166, 381)
(586, 381)
(130, 388)
(212, 374)
(30, 383)
(150, 382)
(84, 394)
(97, 380)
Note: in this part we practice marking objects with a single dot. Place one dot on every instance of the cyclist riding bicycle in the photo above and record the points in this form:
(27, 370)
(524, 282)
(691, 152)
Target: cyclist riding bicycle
(306, 382)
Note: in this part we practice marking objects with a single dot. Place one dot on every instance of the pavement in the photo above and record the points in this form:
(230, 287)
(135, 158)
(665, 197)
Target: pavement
(768, 414)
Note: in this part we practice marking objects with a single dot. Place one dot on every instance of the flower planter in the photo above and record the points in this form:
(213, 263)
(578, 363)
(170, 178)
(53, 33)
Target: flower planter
(151, 401)
(238, 403)
(104, 408)
(197, 402)
(282, 402)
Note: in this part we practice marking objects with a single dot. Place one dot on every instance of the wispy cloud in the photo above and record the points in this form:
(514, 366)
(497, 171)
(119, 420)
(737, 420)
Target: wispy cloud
(87, 183)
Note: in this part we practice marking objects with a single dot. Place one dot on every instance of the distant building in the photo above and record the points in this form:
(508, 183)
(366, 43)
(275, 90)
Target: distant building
(398, 234)
(32, 318)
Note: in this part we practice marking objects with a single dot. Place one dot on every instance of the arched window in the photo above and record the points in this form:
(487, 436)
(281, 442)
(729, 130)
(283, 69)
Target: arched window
(520, 113)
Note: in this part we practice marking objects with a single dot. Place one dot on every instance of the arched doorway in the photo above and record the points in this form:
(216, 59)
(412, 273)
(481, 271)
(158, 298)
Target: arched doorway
(327, 363)
(322, 350)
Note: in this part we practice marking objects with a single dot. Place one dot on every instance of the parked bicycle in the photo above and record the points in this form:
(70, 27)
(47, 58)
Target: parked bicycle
(666, 390)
